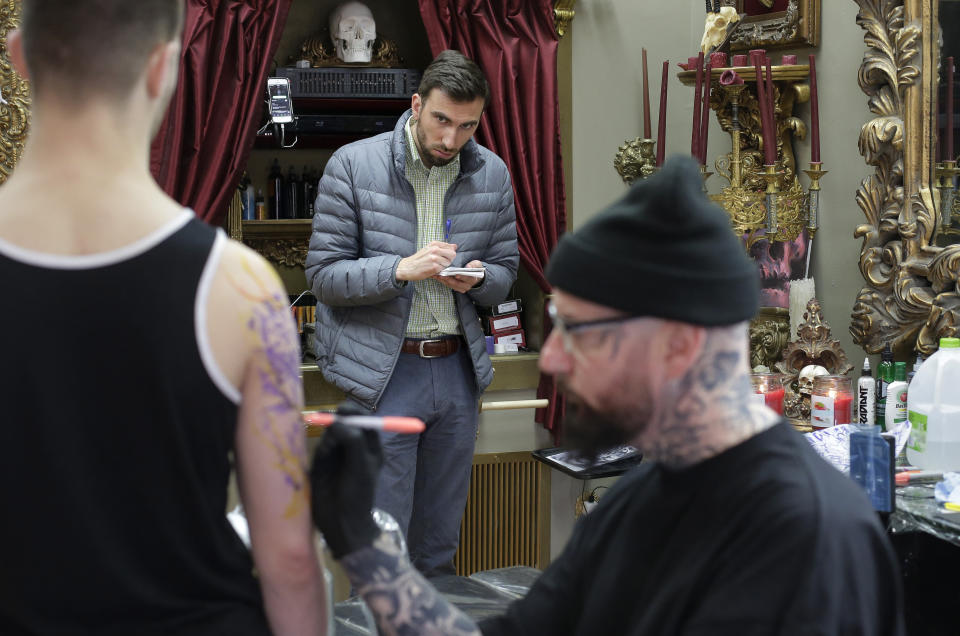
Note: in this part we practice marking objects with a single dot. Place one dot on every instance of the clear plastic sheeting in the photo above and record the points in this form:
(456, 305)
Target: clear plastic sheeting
(515, 581)
(474, 598)
(917, 511)
(352, 618)
(479, 596)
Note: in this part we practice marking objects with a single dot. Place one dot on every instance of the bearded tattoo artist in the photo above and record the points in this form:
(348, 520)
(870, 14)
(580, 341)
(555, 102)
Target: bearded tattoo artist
(731, 525)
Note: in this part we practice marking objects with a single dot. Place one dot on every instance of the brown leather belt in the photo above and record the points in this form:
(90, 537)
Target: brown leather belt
(431, 347)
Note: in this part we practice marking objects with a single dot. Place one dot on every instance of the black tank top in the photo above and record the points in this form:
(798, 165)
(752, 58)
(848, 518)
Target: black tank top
(115, 445)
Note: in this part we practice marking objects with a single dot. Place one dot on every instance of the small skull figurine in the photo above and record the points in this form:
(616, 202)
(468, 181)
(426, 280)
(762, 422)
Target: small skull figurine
(715, 29)
(807, 374)
(353, 32)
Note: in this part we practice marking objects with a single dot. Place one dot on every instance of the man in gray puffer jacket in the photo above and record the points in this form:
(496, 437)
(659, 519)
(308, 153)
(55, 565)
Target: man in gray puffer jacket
(398, 337)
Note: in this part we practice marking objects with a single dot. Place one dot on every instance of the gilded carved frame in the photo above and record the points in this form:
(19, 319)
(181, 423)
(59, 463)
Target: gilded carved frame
(797, 25)
(912, 297)
(14, 96)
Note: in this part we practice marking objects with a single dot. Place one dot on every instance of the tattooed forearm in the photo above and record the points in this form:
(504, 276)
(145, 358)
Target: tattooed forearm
(402, 601)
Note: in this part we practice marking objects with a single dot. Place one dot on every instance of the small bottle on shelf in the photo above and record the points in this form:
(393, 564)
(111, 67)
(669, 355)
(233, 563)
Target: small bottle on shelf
(260, 206)
(275, 190)
(306, 209)
(292, 196)
(249, 199)
(246, 204)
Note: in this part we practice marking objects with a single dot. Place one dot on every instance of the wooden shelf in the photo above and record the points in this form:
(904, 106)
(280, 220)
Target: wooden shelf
(790, 73)
(277, 229)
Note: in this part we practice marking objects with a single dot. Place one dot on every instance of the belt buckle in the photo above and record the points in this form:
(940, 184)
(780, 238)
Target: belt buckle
(424, 355)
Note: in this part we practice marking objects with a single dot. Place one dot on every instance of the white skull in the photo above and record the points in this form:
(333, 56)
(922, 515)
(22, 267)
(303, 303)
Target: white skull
(807, 374)
(716, 27)
(353, 31)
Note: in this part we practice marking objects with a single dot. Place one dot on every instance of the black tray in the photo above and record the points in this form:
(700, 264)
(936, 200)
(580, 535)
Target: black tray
(595, 471)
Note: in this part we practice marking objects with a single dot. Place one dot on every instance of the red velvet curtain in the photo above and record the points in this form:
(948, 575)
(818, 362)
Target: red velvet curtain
(199, 154)
(515, 43)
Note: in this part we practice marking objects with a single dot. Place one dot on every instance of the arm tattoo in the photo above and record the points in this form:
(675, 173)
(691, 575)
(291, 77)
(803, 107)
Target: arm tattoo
(270, 327)
(402, 601)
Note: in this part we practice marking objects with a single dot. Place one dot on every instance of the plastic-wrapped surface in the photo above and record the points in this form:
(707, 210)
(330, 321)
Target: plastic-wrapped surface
(352, 618)
(515, 581)
(485, 594)
(474, 598)
(917, 511)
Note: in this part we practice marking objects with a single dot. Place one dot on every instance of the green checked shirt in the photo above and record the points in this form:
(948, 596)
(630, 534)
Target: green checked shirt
(433, 312)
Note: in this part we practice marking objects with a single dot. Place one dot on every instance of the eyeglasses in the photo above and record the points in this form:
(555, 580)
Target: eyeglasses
(567, 330)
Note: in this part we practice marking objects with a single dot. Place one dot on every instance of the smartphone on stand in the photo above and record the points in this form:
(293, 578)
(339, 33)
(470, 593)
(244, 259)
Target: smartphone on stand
(281, 104)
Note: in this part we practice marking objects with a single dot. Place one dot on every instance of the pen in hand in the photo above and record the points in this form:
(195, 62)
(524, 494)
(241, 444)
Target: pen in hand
(446, 231)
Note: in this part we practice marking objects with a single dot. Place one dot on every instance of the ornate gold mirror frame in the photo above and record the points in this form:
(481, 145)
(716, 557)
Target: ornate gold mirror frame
(911, 298)
(776, 23)
(14, 96)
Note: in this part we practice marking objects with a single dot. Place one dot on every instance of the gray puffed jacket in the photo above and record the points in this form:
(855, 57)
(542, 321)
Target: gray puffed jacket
(365, 220)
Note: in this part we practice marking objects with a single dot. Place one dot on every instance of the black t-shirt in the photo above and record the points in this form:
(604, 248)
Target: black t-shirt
(765, 538)
(115, 445)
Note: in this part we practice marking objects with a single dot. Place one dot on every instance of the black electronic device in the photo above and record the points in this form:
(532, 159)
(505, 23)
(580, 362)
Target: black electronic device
(344, 124)
(363, 83)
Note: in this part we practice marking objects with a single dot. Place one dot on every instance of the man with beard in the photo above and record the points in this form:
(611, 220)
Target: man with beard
(393, 333)
(731, 525)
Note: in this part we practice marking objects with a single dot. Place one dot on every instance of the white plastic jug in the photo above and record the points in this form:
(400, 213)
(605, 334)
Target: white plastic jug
(933, 408)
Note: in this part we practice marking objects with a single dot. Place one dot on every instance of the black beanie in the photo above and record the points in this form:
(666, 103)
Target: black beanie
(662, 250)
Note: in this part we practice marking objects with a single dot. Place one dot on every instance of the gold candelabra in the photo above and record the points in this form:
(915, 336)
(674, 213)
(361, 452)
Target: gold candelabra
(763, 201)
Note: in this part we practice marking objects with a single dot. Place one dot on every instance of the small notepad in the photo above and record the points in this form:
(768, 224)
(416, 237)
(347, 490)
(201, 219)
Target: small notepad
(472, 272)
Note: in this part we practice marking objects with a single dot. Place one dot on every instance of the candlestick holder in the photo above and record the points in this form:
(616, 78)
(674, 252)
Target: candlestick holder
(815, 172)
(635, 160)
(946, 172)
(734, 91)
(770, 198)
(763, 202)
(705, 174)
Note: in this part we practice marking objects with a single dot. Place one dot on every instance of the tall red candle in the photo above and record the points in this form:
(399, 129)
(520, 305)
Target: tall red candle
(662, 122)
(949, 156)
(762, 105)
(705, 116)
(771, 157)
(814, 114)
(695, 136)
(646, 99)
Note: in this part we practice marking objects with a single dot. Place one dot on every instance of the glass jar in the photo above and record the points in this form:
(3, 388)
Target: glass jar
(831, 401)
(768, 390)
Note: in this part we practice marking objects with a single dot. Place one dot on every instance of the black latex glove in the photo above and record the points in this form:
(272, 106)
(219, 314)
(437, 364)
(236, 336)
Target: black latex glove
(342, 481)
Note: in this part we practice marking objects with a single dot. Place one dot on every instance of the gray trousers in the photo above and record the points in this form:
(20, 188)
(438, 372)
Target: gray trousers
(425, 478)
